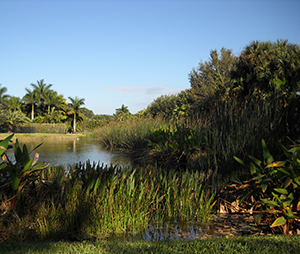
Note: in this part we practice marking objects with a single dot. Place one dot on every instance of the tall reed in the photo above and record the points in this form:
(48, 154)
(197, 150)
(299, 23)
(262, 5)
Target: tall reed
(238, 126)
(94, 200)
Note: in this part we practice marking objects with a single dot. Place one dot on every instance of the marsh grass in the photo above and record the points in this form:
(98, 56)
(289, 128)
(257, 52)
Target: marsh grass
(128, 135)
(94, 201)
(232, 126)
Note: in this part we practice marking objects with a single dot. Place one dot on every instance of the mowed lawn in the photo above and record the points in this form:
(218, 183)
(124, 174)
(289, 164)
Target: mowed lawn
(243, 244)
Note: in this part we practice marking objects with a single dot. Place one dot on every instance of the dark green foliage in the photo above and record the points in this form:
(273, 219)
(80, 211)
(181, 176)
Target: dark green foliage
(212, 78)
(269, 67)
(169, 106)
(40, 128)
(172, 147)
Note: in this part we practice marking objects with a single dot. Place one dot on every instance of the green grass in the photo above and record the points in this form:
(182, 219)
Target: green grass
(247, 244)
(29, 136)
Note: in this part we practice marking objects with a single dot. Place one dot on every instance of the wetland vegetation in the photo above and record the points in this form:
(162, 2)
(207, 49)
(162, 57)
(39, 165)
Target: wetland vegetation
(230, 141)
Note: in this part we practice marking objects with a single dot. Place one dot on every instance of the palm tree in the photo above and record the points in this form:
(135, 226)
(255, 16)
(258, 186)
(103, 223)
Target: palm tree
(3, 96)
(41, 89)
(13, 104)
(30, 98)
(52, 99)
(13, 118)
(74, 109)
(122, 113)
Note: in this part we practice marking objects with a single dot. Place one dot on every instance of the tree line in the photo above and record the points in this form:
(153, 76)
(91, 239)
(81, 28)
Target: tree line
(40, 104)
(262, 71)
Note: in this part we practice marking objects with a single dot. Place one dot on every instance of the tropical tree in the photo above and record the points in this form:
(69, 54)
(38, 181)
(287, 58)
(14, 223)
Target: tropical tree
(122, 113)
(40, 90)
(269, 68)
(52, 99)
(13, 103)
(55, 116)
(75, 109)
(13, 118)
(31, 99)
(3, 95)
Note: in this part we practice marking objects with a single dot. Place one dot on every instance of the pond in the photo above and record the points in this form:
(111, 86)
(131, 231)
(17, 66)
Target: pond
(70, 151)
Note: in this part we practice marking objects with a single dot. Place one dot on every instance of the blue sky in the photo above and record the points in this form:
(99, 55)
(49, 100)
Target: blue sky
(128, 52)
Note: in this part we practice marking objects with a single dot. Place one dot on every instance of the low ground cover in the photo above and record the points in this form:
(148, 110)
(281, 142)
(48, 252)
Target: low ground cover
(243, 244)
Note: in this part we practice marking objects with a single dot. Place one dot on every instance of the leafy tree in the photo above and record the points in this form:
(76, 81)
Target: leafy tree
(162, 106)
(75, 110)
(87, 112)
(213, 77)
(269, 68)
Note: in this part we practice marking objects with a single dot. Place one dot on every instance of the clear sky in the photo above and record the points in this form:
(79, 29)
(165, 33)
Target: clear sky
(114, 52)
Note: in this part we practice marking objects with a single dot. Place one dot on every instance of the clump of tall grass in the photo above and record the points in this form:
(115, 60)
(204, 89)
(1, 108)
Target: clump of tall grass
(128, 134)
(238, 125)
(94, 201)
(211, 135)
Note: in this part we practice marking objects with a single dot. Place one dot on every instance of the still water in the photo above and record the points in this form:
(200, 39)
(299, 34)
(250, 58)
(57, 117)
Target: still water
(68, 151)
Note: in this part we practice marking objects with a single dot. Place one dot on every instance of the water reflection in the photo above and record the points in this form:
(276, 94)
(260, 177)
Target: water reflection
(170, 231)
(65, 152)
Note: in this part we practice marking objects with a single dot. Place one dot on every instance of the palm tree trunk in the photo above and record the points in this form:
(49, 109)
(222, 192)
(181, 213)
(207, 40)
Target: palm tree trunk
(32, 111)
(74, 123)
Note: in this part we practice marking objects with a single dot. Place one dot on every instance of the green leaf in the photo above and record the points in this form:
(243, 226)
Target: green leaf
(289, 214)
(276, 164)
(284, 171)
(239, 161)
(281, 191)
(287, 182)
(258, 218)
(286, 152)
(257, 162)
(268, 158)
(14, 179)
(252, 169)
(27, 165)
(269, 203)
(278, 222)
(4, 144)
(264, 184)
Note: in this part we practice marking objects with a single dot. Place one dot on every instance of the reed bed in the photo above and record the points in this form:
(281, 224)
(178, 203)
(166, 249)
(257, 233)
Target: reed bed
(238, 126)
(129, 134)
(96, 201)
(210, 136)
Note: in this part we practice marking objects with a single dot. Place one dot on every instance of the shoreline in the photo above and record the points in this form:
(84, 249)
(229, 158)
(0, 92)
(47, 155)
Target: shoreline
(30, 136)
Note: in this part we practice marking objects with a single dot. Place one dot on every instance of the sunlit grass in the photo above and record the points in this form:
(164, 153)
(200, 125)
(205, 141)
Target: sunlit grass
(247, 244)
